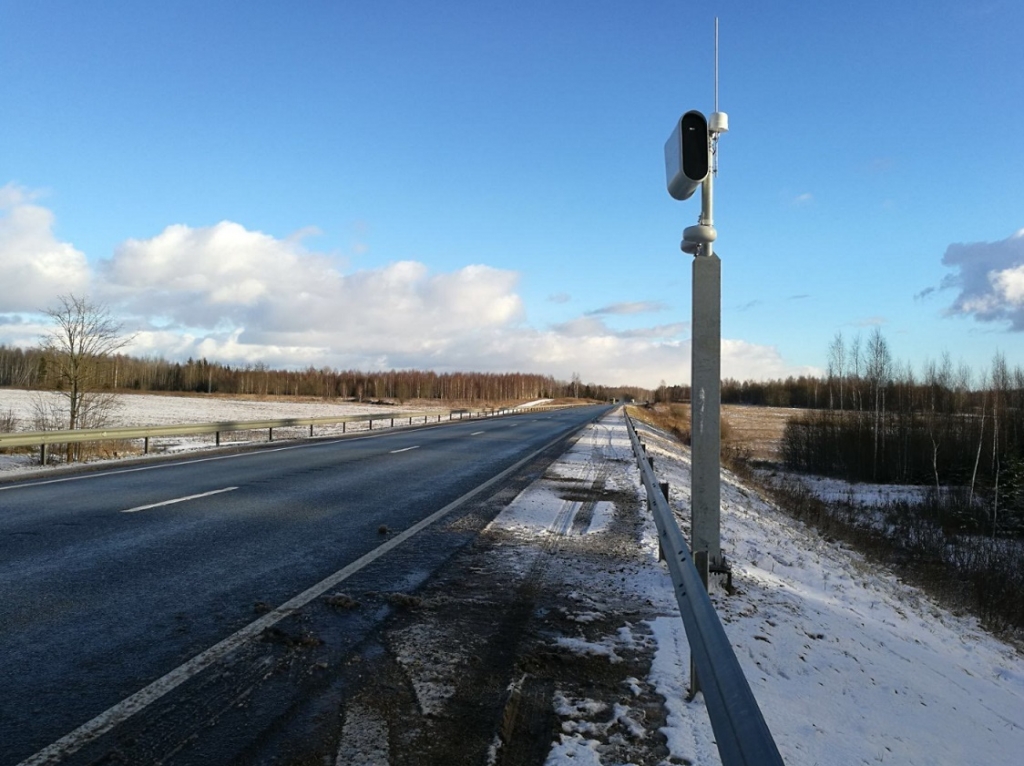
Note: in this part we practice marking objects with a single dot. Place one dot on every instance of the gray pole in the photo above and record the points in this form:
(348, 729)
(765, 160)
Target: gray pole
(705, 403)
(691, 160)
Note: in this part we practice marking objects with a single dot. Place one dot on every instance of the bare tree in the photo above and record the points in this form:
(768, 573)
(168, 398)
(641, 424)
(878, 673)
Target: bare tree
(879, 370)
(836, 367)
(83, 337)
(856, 359)
(1000, 385)
(939, 382)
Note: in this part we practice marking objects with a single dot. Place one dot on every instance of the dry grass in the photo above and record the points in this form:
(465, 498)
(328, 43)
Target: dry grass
(756, 432)
(674, 418)
(753, 434)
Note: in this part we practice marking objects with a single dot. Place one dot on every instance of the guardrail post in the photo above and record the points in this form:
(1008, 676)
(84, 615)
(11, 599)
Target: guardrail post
(343, 424)
(700, 560)
(664, 491)
(270, 434)
(42, 454)
(217, 438)
(310, 430)
(145, 445)
(392, 422)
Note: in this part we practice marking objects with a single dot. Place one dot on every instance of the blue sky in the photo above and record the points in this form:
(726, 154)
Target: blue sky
(480, 185)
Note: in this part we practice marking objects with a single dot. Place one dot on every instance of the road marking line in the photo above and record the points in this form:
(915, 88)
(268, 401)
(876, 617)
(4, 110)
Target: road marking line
(477, 433)
(92, 730)
(178, 500)
(404, 449)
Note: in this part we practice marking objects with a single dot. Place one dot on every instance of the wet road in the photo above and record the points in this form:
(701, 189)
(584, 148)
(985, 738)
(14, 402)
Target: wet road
(111, 580)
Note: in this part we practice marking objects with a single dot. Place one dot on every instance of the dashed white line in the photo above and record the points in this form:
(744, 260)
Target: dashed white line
(178, 500)
(404, 449)
(477, 433)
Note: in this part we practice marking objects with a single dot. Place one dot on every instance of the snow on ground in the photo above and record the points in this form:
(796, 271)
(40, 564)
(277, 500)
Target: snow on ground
(156, 410)
(862, 494)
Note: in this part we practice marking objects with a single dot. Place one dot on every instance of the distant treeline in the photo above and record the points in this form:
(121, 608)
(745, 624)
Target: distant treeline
(30, 368)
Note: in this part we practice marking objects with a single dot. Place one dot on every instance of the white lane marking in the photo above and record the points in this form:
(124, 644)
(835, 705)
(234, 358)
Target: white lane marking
(477, 433)
(404, 449)
(92, 730)
(178, 500)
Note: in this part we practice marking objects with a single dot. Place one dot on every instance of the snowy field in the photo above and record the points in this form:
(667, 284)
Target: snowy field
(155, 410)
(848, 664)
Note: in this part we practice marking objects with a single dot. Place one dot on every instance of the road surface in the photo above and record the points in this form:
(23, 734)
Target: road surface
(117, 587)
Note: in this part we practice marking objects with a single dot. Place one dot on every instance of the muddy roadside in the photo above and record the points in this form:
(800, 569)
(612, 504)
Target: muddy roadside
(535, 643)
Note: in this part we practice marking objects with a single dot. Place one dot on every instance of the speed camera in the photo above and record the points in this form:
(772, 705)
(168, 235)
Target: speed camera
(687, 155)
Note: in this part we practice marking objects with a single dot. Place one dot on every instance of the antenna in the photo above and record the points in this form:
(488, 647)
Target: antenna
(719, 121)
(716, 63)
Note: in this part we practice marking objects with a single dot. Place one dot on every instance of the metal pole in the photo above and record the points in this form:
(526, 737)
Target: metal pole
(705, 403)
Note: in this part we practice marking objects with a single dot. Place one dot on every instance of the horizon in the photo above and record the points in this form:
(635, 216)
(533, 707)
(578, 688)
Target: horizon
(462, 188)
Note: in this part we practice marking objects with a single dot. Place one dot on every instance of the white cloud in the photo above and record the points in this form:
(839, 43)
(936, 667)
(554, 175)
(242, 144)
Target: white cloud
(274, 296)
(1008, 284)
(748, 361)
(990, 278)
(239, 296)
(34, 266)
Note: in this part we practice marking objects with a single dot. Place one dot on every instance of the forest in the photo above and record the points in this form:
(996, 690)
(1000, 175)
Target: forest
(34, 369)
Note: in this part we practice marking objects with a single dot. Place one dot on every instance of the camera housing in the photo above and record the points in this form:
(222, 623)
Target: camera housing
(687, 155)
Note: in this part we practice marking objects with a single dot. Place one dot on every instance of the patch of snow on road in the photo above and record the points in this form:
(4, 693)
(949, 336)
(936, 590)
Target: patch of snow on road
(604, 649)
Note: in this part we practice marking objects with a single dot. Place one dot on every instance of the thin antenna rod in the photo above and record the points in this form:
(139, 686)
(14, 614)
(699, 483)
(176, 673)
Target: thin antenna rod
(716, 63)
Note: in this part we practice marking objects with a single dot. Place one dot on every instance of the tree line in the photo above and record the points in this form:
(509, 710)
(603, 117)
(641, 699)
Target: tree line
(946, 427)
(38, 368)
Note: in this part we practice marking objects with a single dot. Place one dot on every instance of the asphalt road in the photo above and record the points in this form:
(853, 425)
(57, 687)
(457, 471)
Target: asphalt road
(112, 581)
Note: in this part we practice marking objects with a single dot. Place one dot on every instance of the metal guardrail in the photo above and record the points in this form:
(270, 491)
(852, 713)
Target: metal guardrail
(42, 439)
(740, 730)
